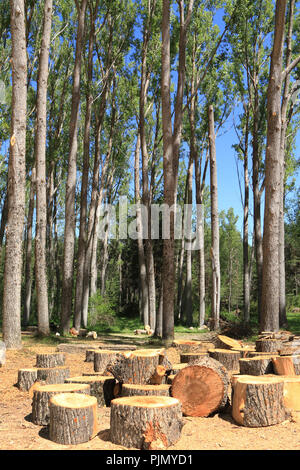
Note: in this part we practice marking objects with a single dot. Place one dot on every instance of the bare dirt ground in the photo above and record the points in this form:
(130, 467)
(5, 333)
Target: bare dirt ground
(220, 432)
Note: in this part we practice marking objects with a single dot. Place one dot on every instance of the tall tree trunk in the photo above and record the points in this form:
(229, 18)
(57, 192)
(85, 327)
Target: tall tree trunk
(70, 221)
(215, 257)
(188, 284)
(270, 286)
(41, 188)
(11, 326)
(28, 252)
(246, 268)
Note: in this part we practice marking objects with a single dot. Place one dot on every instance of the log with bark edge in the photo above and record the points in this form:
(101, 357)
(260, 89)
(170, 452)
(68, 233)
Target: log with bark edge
(245, 351)
(145, 422)
(26, 378)
(53, 375)
(191, 357)
(201, 388)
(89, 355)
(50, 360)
(102, 358)
(185, 346)
(268, 345)
(286, 365)
(177, 367)
(261, 354)
(227, 357)
(259, 401)
(101, 387)
(258, 365)
(138, 367)
(291, 394)
(225, 342)
(129, 390)
(42, 395)
(73, 418)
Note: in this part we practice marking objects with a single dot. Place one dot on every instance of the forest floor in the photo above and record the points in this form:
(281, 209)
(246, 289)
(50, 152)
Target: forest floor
(220, 432)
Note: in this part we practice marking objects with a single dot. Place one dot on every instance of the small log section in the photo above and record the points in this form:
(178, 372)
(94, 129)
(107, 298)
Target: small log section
(261, 354)
(291, 394)
(101, 387)
(201, 388)
(102, 359)
(42, 395)
(259, 402)
(227, 357)
(258, 365)
(26, 378)
(73, 418)
(191, 357)
(145, 422)
(177, 367)
(286, 365)
(53, 375)
(225, 342)
(50, 360)
(185, 346)
(89, 355)
(129, 390)
(268, 345)
(140, 367)
(245, 351)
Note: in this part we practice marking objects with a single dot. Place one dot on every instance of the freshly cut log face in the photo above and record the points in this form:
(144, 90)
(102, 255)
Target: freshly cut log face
(129, 390)
(287, 365)
(101, 387)
(42, 395)
(292, 392)
(259, 401)
(258, 365)
(225, 342)
(201, 388)
(51, 360)
(227, 357)
(145, 422)
(73, 418)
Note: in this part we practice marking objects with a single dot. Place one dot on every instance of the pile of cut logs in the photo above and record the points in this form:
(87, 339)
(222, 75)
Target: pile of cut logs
(148, 394)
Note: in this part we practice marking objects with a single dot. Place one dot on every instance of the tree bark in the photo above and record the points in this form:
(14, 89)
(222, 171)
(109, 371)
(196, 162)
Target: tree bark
(11, 327)
(28, 252)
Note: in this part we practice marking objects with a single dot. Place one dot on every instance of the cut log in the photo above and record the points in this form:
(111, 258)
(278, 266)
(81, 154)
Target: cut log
(159, 376)
(268, 345)
(245, 351)
(89, 355)
(261, 354)
(201, 388)
(259, 401)
(177, 367)
(73, 418)
(50, 360)
(136, 367)
(101, 387)
(53, 375)
(185, 346)
(129, 390)
(103, 358)
(286, 365)
(42, 395)
(224, 342)
(258, 365)
(26, 378)
(227, 357)
(292, 392)
(191, 357)
(145, 422)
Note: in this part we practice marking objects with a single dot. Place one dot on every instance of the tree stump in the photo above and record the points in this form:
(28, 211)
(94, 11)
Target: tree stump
(50, 360)
(225, 342)
(227, 357)
(73, 418)
(177, 367)
(26, 378)
(89, 355)
(286, 365)
(201, 388)
(259, 365)
(102, 359)
(145, 422)
(191, 357)
(129, 390)
(259, 401)
(291, 395)
(101, 387)
(42, 395)
(138, 367)
(268, 345)
(53, 375)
